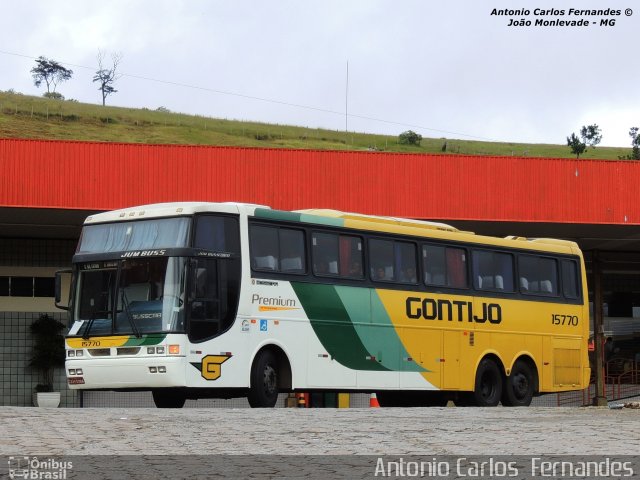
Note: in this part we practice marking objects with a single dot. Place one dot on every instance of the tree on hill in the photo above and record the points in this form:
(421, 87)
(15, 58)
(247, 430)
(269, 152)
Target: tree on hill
(590, 136)
(635, 145)
(106, 77)
(409, 138)
(50, 72)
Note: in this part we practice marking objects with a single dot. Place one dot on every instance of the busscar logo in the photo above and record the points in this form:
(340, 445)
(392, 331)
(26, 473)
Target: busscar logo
(267, 283)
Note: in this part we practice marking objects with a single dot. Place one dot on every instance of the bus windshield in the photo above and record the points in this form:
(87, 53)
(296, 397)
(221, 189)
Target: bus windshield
(137, 235)
(130, 297)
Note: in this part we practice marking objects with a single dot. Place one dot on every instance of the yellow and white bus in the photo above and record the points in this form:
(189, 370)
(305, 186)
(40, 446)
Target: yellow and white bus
(220, 300)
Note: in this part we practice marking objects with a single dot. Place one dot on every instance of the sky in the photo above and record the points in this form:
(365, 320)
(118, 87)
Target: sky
(443, 69)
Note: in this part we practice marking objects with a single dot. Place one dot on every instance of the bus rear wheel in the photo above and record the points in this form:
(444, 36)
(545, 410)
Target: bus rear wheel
(168, 398)
(519, 386)
(263, 392)
(488, 386)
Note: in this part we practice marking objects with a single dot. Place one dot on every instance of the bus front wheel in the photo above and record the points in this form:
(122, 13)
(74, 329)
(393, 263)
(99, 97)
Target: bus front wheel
(263, 392)
(488, 387)
(519, 386)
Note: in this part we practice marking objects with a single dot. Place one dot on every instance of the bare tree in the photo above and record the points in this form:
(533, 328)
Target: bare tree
(106, 77)
(49, 72)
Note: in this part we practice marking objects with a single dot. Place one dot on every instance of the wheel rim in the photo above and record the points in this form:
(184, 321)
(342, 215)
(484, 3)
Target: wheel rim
(269, 380)
(487, 385)
(520, 385)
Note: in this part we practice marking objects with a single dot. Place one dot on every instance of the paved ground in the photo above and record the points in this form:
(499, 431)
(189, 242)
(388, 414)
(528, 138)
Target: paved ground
(388, 431)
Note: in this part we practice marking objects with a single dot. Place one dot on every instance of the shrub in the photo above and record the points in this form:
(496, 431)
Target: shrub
(48, 349)
(53, 95)
(409, 138)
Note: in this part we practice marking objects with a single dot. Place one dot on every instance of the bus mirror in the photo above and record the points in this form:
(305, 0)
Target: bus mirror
(58, 289)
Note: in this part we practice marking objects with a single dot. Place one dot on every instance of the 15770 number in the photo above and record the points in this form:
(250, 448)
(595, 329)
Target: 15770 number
(570, 320)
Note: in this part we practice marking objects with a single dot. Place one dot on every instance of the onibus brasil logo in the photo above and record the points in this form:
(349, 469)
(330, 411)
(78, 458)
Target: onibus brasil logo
(34, 468)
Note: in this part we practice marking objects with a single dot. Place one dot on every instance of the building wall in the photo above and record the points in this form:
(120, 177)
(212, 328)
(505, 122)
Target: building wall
(17, 378)
(104, 176)
(28, 258)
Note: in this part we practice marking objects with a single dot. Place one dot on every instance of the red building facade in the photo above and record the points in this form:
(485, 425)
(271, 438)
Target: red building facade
(101, 176)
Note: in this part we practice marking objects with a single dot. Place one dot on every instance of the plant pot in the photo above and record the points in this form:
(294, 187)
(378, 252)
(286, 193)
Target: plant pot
(46, 399)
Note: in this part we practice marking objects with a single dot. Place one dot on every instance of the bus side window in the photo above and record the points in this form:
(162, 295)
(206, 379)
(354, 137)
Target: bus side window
(325, 253)
(538, 275)
(444, 266)
(217, 233)
(405, 262)
(292, 252)
(570, 285)
(381, 260)
(277, 249)
(336, 255)
(493, 271)
(433, 261)
(264, 248)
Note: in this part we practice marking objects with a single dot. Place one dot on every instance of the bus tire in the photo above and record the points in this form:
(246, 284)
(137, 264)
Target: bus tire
(168, 398)
(263, 392)
(519, 386)
(488, 386)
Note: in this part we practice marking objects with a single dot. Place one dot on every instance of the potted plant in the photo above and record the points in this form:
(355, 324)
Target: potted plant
(48, 353)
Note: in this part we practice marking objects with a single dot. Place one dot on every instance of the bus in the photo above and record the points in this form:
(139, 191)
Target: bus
(224, 300)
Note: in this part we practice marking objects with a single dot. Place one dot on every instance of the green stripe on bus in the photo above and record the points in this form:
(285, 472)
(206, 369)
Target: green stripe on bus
(298, 217)
(277, 215)
(333, 326)
(375, 329)
(144, 340)
(381, 319)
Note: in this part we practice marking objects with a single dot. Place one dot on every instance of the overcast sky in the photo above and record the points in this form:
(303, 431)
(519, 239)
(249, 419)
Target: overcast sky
(444, 69)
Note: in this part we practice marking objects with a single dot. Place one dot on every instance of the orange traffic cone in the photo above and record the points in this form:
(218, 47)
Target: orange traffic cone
(301, 400)
(373, 401)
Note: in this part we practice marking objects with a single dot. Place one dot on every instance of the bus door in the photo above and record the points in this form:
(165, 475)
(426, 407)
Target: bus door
(450, 361)
(213, 297)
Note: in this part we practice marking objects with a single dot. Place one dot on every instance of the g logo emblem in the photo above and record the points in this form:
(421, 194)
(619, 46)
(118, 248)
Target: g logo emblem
(212, 366)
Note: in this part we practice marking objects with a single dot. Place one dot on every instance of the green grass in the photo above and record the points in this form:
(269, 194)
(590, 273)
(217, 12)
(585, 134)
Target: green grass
(23, 116)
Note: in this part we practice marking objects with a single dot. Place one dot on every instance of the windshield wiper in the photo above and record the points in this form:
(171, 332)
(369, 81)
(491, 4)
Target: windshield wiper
(87, 329)
(125, 304)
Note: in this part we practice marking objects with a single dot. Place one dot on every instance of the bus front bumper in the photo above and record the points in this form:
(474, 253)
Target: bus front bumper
(125, 373)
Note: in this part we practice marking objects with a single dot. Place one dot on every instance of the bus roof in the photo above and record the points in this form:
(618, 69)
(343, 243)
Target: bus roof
(436, 230)
(403, 226)
(173, 209)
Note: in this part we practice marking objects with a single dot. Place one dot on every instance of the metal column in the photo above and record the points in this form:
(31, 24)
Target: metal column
(600, 398)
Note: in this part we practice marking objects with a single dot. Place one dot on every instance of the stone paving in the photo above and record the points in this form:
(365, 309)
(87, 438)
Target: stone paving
(379, 431)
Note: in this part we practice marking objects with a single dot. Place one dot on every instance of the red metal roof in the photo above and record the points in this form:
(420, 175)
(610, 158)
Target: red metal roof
(100, 176)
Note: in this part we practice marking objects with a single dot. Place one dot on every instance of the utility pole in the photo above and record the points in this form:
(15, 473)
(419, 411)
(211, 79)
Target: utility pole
(346, 103)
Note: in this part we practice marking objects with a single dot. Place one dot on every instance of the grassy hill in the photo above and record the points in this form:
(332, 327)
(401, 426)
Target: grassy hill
(23, 116)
